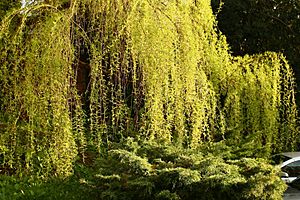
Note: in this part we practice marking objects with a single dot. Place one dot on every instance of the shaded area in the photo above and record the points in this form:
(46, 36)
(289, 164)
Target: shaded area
(256, 26)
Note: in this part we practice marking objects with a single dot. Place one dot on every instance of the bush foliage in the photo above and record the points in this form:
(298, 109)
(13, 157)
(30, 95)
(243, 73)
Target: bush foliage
(156, 171)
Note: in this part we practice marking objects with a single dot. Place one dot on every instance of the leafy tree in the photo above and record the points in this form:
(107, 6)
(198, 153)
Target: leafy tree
(253, 26)
(256, 26)
(94, 72)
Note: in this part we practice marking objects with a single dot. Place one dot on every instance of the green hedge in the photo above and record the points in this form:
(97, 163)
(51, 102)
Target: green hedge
(155, 171)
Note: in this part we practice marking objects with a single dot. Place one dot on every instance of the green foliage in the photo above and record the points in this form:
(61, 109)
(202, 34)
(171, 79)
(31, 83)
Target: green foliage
(12, 188)
(255, 111)
(133, 164)
(7, 5)
(35, 93)
(258, 26)
(89, 73)
(261, 179)
(186, 176)
(253, 27)
(167, 195)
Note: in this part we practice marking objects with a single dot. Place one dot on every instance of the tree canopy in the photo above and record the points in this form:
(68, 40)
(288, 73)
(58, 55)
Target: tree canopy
(91, 72)
(256, 26)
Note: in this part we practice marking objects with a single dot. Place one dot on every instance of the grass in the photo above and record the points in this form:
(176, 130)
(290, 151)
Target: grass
(75, 187)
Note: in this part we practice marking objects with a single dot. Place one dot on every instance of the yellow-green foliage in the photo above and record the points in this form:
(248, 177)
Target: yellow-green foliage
(173, 62)
(157, 170)
(157, 70)
(179, 100)
(35, 94)
(260, 107)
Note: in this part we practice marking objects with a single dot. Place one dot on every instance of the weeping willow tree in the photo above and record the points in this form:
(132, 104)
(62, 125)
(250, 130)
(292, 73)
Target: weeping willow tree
(92, 72)
(259, 106)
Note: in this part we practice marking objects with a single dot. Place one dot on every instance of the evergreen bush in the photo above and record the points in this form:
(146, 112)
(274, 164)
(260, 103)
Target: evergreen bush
(185, 175)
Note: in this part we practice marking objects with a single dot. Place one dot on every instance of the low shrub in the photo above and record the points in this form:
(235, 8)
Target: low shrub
(158, 171)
